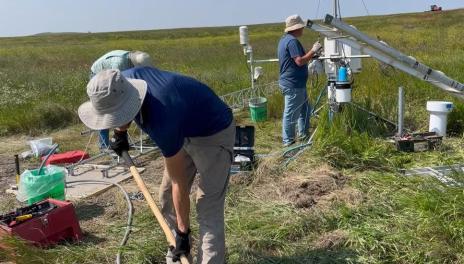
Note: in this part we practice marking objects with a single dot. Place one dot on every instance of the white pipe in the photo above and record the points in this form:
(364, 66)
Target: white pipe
(264, 61)
(344, 57)
(400, 111)
(252, 67)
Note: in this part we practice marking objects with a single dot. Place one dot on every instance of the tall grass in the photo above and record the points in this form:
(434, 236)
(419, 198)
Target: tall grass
(406, 221)
(353, 140)
(53, 69)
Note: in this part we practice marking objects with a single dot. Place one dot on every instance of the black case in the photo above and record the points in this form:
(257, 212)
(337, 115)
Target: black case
(244, 145)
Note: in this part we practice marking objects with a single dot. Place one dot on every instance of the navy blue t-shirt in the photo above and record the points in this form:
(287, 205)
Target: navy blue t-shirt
(291, 75)
(177, 107)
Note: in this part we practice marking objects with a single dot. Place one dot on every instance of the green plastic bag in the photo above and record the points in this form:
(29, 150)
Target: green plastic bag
(49, 184)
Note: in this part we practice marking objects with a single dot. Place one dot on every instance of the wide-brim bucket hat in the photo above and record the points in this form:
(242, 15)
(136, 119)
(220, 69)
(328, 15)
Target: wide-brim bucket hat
(114, 100)
(140, 58)
(294, 22)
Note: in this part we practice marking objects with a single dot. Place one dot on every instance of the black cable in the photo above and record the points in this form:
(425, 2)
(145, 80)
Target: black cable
(365, 7)
(317, 10)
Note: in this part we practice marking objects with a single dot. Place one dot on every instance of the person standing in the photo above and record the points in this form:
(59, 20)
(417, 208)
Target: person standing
(195, 132)
(293, 68)
(120, 60)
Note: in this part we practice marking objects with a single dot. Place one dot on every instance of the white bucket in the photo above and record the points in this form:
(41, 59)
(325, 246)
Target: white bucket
(343, 95)
(343, 92)
(439, 116)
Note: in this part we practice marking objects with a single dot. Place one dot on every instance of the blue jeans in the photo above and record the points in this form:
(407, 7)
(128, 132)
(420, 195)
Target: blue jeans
(297, 111)
(104, 138)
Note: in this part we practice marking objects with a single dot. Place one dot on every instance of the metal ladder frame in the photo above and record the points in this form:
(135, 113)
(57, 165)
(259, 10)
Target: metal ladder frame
(350, 36)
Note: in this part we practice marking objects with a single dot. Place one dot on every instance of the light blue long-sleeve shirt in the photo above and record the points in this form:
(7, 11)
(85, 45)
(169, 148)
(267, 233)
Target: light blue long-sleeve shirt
(116, 59)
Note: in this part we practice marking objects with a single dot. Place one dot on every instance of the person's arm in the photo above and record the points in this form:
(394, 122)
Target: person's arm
(170, 140)
(175, 166)
(303, 60)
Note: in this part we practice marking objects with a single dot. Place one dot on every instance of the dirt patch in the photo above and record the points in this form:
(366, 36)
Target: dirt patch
(316, 188)
(99, 214)
(307, 191)
(331, 240)
(7, 172)
(7, 178)
(7, 167)
(241, 178)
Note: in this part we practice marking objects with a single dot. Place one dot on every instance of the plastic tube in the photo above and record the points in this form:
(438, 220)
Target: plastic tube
(46, 158)
(129, 213)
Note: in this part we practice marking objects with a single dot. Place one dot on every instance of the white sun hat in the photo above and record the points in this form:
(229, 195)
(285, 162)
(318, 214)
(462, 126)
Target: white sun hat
(114, 100)
(294, 22)
(140, 58)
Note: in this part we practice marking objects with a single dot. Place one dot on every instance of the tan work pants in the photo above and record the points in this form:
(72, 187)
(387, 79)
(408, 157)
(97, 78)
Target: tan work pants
(211, 157)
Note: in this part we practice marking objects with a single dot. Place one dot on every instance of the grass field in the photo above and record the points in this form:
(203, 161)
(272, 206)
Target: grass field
(362, 212)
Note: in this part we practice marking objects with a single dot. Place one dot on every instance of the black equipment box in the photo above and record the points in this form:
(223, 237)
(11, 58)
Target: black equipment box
(244, 152)
(418, 142)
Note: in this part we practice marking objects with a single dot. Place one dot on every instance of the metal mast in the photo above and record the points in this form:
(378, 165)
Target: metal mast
(335, 8)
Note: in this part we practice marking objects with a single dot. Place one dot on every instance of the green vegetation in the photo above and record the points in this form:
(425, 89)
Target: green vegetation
(369, 214)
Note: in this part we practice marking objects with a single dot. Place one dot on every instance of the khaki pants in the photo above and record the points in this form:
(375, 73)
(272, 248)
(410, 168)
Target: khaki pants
(211, 157)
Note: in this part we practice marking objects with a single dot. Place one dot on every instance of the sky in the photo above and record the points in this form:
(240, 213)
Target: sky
(27, 17)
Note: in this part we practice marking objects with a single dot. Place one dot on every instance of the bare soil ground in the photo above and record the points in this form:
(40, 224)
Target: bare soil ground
(7, 172)
(96, 213)
(7, 178)
(318, 188)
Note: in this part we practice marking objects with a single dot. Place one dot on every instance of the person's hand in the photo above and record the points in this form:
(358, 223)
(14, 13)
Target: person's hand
(182, 245)
(316, 47)
(119, 142)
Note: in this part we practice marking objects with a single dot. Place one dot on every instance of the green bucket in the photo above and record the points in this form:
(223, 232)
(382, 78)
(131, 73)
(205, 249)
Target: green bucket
(49, 184)
(258, 109)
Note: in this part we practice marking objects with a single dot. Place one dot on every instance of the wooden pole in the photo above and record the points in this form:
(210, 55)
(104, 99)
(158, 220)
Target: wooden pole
(151, 203)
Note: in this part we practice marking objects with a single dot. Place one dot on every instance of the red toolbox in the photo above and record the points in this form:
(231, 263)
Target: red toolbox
(67, 157)
(43, 223)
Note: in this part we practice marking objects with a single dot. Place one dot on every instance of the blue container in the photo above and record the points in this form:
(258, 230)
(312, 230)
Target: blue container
(342, 74)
